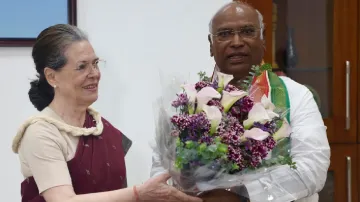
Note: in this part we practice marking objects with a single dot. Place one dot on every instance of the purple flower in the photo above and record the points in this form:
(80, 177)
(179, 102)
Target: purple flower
(230, 88)
(245, 104)
(216, 103)
(181, 100)
(241, 108)
(269, 127)
(191, 126)
(200, 121)
(270, 143)
(206, 138)
(222, 127)
(230, 98)
(235, 155)
(254, 161)
(231, 138)
(234, 125)
(236, 112)
(258, 150)
(181, 121)
(215, 84)
(202, 84)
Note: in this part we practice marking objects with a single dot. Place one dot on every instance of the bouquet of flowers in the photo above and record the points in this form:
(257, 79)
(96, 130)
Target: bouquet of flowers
(217, 132)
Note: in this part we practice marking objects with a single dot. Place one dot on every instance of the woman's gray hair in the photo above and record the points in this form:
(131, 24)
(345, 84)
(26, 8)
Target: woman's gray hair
(261, 23)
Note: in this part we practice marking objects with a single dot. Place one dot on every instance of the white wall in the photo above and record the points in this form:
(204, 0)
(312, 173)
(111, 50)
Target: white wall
(136, 38)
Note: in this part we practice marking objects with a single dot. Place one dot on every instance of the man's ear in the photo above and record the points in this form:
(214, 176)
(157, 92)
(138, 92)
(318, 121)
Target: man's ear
(264, 45)
(50, 76)
(211, 48)
(263, 40)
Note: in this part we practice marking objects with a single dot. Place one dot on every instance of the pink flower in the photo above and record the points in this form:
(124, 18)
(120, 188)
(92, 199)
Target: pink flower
(283, 132)
(223, 80)
(269, 106)
(229, 98)
(214, 116)
(204, 96)
(257, 114)
(261, 112)
(175, 133)
(190, 91)
(256, 134)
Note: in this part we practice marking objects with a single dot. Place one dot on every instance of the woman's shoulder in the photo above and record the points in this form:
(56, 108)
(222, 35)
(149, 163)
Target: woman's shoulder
(40, 128)
(36, 129)
(38, 133)
(48, 120)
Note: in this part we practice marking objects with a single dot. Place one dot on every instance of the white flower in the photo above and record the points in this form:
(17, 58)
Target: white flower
(256, 134)
(257, 114)
(229, 98)
(283, 132)
(204, 96)
(269, 106)
(190, 92)
(214, 116)
(261, 112)
(223, 79)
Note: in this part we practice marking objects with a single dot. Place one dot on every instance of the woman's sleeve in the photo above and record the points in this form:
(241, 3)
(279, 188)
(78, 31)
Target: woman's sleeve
(42, 151)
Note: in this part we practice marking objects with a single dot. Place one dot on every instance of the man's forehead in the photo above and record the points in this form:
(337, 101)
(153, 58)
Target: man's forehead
(235, 13)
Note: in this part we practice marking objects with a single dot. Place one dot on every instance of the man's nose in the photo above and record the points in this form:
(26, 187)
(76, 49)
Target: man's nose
(237, 41)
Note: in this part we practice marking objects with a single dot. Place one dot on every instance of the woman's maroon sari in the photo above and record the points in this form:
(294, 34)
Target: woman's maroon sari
(98, 164)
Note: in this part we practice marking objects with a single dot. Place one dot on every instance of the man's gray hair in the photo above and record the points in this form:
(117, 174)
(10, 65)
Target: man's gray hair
(261, 24)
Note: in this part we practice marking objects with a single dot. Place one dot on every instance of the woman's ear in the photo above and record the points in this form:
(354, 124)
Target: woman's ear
(50, 76)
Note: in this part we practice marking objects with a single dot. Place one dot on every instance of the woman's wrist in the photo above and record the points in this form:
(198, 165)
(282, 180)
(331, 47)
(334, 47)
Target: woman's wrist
(136, 193)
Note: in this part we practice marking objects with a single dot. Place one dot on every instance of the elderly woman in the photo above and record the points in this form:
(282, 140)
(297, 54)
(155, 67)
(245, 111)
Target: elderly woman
(68, 152)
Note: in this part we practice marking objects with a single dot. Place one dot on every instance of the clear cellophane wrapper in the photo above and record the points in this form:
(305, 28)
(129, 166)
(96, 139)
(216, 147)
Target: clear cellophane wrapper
(218, 160)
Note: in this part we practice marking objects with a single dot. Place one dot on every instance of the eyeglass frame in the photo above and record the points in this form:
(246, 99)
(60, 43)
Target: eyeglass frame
(93, 65)
(233, 32)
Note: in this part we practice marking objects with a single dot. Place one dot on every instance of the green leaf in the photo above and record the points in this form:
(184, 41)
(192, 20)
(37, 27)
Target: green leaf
(222, 148)
(234, 167)
(179, 143)
(203, 77)
(202, 147)
(217, 139)
(212, 148)
(189, 144)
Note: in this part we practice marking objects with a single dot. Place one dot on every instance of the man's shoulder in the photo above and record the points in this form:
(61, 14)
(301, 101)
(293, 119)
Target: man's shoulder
(297, 92)
(294, 88)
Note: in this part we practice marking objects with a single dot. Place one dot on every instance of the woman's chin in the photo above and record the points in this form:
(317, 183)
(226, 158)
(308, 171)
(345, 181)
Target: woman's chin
(89, 100)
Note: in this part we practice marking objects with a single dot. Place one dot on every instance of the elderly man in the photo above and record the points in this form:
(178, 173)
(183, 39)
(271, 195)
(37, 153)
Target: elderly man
(237, 43)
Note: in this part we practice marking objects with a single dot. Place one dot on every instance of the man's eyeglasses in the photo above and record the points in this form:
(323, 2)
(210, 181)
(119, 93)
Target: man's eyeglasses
(245, 33)
(88, 67)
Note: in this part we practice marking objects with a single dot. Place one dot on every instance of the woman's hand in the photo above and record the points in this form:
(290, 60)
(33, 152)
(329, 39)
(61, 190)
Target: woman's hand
(156, 190)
